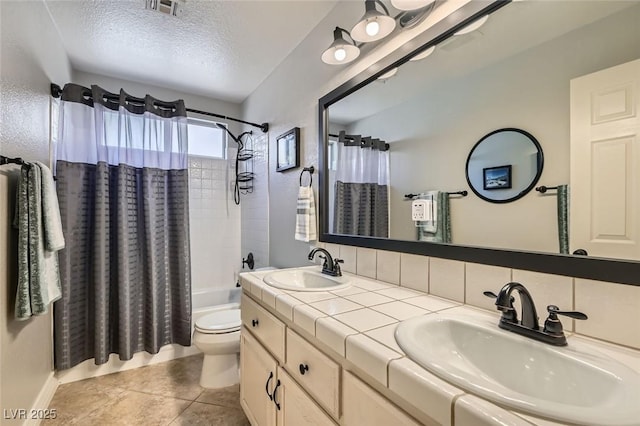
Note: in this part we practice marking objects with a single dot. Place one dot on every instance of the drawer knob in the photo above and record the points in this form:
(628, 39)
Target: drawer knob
(303, 368)
(254, 323)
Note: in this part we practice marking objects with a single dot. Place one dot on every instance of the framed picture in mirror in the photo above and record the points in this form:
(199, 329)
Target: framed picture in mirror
(288, 151)
(497, 177)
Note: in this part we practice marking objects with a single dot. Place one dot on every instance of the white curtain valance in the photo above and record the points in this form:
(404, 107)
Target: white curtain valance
(362, 165)
(91, 132)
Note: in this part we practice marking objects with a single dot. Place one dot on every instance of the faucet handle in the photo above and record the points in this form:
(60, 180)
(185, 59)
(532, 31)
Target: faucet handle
(508, 312)
(336, 267)
(495, 296)
(554, 310)
(553, 325)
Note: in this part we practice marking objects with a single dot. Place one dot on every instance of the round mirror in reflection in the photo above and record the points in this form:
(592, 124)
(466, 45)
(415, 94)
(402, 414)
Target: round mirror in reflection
(504, 165)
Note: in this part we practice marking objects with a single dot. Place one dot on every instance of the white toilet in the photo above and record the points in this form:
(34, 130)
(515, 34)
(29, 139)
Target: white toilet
(217, 334)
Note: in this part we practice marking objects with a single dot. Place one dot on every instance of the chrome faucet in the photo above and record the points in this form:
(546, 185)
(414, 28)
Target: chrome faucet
(330, 266)
(552, 332)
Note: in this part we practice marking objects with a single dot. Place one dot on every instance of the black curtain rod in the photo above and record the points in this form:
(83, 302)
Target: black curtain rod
(56, 92)
(364, 142)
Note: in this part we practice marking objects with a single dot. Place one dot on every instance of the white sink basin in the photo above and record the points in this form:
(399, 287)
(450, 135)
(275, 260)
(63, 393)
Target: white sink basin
(304, 280)
(575, 383)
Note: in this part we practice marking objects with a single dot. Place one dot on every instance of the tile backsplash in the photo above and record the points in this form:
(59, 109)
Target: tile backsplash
(613, 309)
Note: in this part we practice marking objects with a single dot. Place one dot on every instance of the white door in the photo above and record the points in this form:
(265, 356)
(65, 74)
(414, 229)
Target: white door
(605, 162)
(257, 381)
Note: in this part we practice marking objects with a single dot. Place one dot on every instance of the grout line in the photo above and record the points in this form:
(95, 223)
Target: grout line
(181, 413)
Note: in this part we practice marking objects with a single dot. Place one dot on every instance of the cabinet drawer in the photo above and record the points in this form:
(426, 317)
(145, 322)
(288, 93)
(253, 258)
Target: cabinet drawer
(264, 326)
(315, 372)
(297, 409)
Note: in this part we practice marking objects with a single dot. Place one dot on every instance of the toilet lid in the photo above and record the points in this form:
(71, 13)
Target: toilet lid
(220, 321)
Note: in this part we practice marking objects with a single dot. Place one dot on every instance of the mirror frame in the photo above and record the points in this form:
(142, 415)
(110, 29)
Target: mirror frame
(595, 268)
(525, 191)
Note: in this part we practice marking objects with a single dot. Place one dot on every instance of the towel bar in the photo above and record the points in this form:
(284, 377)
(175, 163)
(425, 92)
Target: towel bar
(412, 196)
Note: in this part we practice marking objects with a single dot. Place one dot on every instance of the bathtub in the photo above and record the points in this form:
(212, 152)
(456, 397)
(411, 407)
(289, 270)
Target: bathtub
(207, 301)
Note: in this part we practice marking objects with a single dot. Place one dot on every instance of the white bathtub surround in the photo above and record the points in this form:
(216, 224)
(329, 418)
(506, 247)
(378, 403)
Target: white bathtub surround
(214, 225)
(255, 206)
(360, 336)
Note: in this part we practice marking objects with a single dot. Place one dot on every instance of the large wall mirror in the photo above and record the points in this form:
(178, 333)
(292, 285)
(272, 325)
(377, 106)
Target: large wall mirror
(523, 69)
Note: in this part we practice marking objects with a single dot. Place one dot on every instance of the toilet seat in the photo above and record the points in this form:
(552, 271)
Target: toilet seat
(220, 322)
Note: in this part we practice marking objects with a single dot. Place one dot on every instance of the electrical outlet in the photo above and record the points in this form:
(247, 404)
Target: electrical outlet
(419, 210)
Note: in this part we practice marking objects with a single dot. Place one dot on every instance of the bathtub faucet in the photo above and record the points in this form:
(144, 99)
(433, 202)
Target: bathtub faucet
(330, 266)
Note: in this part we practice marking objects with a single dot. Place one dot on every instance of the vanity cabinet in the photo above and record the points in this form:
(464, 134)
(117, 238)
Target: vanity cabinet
(268, 394)
(287, 381)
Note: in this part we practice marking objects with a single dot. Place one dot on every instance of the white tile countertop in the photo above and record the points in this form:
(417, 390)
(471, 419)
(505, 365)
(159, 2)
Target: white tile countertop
(358, 323)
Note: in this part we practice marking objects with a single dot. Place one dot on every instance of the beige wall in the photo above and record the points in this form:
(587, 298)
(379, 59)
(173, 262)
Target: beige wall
(289, 98)
(31, 57)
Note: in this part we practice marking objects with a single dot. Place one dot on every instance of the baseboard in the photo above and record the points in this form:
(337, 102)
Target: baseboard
(41, 404)
(88, 369)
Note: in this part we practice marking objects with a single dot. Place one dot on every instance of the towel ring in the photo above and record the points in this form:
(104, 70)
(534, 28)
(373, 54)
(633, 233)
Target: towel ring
(311, 170)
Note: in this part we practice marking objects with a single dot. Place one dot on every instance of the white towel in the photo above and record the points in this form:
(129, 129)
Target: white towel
(39, 227)
(306, 215)
(53, 237)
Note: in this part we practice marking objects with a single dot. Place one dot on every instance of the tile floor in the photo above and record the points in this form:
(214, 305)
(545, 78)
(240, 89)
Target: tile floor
(160, 394)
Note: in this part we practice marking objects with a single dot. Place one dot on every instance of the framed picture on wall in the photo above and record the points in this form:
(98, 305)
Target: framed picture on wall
(288, 150)
(497, 177)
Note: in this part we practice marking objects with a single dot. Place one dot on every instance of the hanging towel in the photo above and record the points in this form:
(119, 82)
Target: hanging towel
(563, 218)
(430, 225)
(306, 215)
(442, 226)
(39, 238)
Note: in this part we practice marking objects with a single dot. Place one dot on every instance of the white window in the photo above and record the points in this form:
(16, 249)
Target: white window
(206, 139)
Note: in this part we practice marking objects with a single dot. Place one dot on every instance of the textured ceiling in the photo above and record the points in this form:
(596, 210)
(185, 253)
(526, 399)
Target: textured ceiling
(220, 49)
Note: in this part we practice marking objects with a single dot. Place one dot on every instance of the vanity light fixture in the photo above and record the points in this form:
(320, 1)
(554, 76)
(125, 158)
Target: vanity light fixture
(387, 75)
(424, 54)
(411, 4)
(472, 26)
(374, 25)
(341, 51)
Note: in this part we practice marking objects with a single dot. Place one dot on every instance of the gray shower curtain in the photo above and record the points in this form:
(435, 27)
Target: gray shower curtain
(122, 185)
(361, 209)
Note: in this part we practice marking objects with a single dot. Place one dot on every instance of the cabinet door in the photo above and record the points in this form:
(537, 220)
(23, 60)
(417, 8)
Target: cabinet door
(296, 407)
(257, 381)
(361, 405)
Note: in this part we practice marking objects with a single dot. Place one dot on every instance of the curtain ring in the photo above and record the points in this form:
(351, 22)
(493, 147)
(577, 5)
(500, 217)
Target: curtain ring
(310, 170)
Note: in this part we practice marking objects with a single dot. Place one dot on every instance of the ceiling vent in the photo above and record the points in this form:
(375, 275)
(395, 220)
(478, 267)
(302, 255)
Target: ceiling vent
(168, 7)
